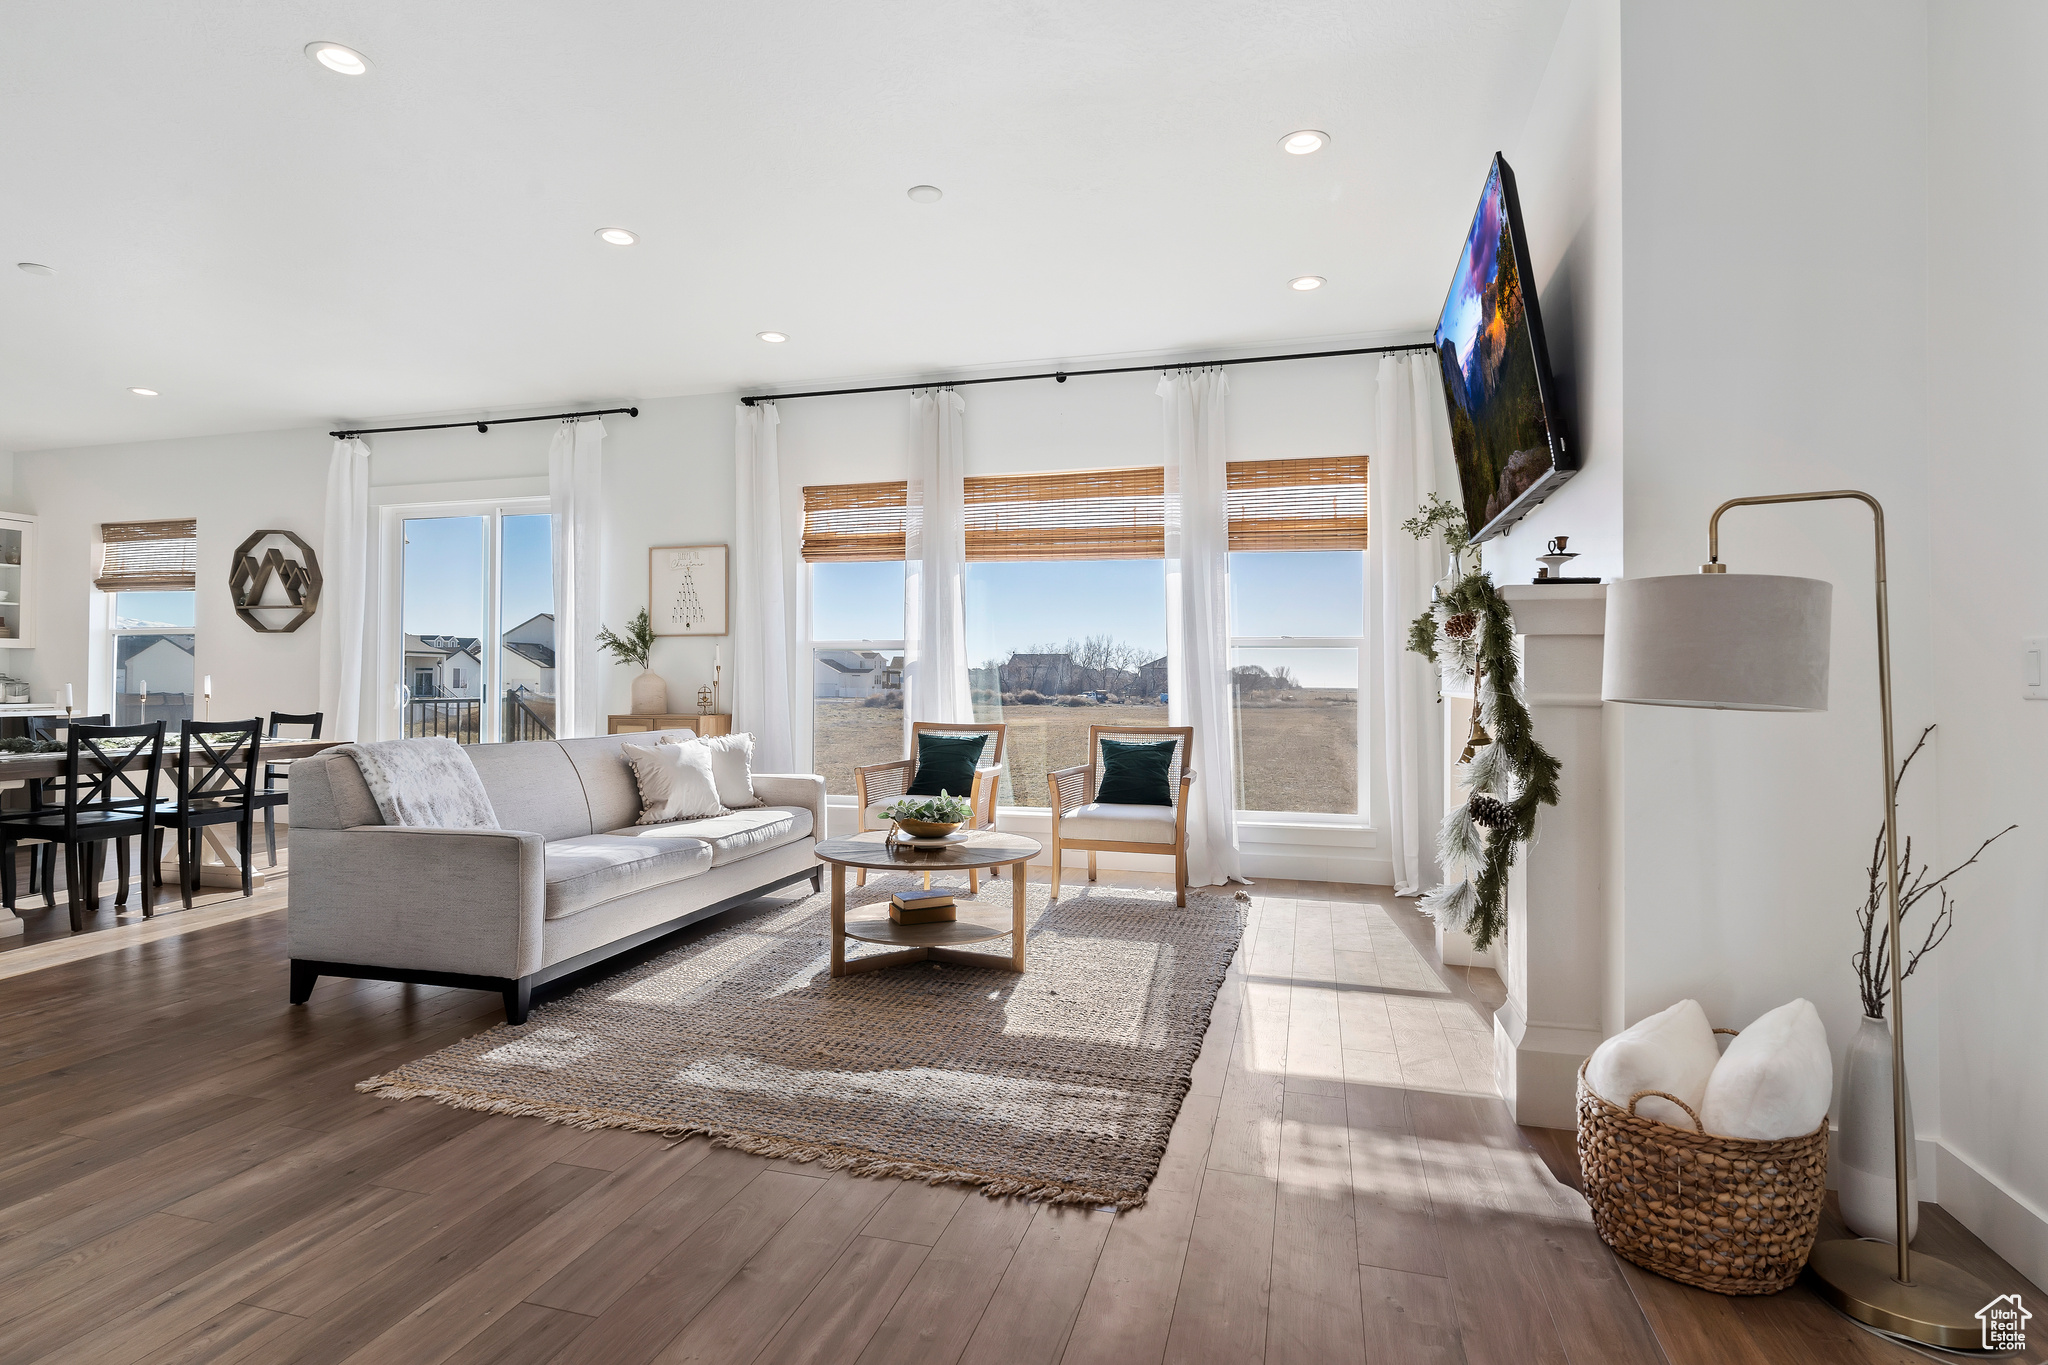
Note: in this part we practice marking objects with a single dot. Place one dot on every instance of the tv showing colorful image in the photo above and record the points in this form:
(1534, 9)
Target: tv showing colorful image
(1511, 450)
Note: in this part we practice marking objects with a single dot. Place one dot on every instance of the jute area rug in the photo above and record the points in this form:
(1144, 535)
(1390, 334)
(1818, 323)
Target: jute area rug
(1059, 1085)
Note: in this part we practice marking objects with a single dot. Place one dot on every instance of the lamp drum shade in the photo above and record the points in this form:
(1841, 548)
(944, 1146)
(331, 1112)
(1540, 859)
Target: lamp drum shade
(1730, 642)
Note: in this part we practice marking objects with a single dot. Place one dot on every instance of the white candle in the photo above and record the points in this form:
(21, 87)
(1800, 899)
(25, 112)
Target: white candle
(145, 689)
(207, 686)
(67, 696)
(717, 655)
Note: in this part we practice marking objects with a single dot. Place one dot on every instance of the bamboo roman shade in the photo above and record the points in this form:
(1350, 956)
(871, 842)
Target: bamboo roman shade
(1314, 504)
(1297, 504)
(854, 521)
(1086, 514)
(149, 556)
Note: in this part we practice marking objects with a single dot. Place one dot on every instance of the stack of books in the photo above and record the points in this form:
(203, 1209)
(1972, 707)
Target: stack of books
(922, 907)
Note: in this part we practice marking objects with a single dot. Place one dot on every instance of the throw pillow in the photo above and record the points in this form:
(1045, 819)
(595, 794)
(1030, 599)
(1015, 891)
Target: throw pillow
(732, 767)
(675, 780)
(1672, 1051)
(1135, 774)
(945, 763)
(1775, 1079)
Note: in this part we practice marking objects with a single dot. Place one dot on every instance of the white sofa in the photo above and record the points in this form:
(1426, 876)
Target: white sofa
(567, 882)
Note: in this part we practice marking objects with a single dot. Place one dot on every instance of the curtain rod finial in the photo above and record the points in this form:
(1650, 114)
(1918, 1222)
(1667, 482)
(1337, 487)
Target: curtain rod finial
(632, 412)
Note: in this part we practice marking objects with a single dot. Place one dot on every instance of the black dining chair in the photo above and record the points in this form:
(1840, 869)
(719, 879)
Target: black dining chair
(272, 796)
(42, 859)
(216, 783)
(102, 803)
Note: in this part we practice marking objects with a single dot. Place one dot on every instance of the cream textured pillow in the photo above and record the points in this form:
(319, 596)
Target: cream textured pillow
(732, 768)
(1672, 1051)
(675, 782)
(1775, 1079)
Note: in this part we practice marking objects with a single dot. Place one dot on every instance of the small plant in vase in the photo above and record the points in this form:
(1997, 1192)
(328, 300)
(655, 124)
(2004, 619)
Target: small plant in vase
(650, 693)
(931, 817)
(1868, 1173)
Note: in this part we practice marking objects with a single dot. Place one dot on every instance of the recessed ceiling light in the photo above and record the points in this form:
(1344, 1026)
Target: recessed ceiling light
(144, 393)
(617, 236)
(926, 194)
(777, 338)
(1306, 141)
(1306, 282)
(335, 57)
(34, 268)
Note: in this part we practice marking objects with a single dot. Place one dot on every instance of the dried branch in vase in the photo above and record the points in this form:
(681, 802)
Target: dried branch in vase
(1872, 960)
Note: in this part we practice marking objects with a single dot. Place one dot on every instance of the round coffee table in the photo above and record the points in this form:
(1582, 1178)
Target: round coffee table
(983, 848)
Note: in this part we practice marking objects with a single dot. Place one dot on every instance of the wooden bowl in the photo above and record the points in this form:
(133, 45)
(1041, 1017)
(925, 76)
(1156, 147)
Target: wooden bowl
(926, 829)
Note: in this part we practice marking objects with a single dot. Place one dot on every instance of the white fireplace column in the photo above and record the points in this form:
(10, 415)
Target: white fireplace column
(1553, 962)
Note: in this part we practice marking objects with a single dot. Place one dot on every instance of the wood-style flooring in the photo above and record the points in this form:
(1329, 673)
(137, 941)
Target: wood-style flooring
(187, 1174)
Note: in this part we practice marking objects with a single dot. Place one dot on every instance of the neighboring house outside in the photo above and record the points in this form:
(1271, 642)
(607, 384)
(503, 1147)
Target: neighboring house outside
(1051, 674)
(529, 662)
(439, 666)
(1152, 678)
(165, 665)
(854, 673)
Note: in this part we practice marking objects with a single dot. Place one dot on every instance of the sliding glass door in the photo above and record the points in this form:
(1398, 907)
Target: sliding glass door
(474, 658)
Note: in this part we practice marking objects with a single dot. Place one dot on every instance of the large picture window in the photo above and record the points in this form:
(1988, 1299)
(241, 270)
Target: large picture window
(1066, 623)
(149, 569)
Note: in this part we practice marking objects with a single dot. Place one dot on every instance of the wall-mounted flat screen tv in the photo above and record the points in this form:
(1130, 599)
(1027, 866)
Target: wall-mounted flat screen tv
(1505, 429)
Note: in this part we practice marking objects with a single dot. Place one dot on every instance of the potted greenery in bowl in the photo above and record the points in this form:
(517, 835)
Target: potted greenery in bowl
(930, 817)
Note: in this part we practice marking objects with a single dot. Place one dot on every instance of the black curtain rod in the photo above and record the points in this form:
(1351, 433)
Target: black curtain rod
(1062, 376)
(483, 426)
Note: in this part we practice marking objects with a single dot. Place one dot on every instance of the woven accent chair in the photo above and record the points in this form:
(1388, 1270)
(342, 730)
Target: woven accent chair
(1079, 821)
(877, 785)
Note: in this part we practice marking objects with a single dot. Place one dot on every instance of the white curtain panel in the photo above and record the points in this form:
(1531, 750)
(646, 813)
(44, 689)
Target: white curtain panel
(575, 498)
(1401, 473)
(345, 593)
(935, 563)
(760, 674)
(1198, 613)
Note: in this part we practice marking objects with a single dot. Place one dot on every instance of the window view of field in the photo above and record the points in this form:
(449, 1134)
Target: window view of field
(1294, 706)
(1297, 749)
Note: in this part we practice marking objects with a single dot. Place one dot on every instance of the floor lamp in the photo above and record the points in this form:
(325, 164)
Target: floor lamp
(1759, 642)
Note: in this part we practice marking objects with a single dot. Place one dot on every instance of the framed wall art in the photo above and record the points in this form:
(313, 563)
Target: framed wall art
(686, 589)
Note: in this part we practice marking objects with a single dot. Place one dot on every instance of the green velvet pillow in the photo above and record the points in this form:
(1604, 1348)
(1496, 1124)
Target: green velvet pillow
(1135, 774)
(946, 763)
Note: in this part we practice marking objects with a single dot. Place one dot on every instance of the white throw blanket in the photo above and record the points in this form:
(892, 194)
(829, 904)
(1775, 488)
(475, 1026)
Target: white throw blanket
(424, 782)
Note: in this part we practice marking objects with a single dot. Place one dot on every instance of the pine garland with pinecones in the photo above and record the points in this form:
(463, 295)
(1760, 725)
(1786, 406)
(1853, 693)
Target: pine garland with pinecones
(1470, 631)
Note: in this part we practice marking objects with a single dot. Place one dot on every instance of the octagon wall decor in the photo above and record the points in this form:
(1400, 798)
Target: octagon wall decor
(249, 576)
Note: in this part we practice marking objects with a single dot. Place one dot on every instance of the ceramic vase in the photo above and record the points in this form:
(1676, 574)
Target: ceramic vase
(1864, 1160)
(650, 695)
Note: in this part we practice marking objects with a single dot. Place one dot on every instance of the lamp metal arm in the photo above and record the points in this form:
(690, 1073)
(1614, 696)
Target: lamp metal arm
(1900, 1137)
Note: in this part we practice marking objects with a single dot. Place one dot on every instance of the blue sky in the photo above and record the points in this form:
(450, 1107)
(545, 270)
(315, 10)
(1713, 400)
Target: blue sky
(1014, 605)
(444, 573)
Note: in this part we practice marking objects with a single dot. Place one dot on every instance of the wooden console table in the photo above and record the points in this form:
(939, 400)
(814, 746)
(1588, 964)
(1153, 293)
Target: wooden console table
(707, 727)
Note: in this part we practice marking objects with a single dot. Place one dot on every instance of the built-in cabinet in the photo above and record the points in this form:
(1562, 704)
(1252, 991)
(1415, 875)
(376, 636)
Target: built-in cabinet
(17, 568)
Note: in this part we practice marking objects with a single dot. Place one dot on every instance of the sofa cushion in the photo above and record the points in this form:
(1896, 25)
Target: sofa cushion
(675, 782)
(533, 787)
(734, 835)
(1119, 824)
(591, 869)
(607, 778)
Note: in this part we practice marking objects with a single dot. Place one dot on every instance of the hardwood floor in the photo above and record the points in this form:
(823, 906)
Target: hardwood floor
(187, 1174)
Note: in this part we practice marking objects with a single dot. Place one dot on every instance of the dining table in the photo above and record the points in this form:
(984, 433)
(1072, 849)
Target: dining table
(219, 865)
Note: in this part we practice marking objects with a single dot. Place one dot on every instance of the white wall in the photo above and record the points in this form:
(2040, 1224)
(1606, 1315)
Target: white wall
(1774, 173)
(1990, 455)
(1567, 163)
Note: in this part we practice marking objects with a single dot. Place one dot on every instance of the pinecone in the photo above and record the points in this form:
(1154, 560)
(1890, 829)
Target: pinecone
(1490, 813)
(1462, 625)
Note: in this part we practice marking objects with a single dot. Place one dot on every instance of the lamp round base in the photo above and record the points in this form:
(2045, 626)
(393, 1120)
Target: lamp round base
(1938, 1308)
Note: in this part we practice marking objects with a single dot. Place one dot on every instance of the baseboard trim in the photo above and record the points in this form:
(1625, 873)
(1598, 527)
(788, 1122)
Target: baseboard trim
(2007, 1222)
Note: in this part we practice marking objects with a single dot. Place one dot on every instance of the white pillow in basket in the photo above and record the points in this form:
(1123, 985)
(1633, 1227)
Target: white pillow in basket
(675, 780)
(1775, 1079)
(1672, 1051)
(732, 768)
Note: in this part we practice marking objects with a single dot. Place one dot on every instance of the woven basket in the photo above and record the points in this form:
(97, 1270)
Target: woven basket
(1726, 1214)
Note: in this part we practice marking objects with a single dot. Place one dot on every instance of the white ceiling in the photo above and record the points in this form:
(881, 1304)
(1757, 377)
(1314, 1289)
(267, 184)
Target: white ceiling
(273, 245)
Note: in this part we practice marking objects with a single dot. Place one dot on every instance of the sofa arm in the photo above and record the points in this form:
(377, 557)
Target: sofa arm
(795, 789)
(445, 900)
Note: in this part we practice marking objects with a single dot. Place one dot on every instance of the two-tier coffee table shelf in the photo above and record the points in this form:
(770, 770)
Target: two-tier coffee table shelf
(940, 941)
